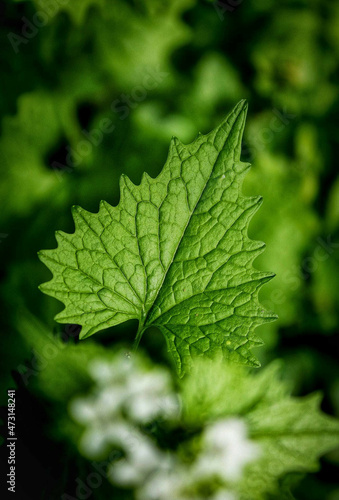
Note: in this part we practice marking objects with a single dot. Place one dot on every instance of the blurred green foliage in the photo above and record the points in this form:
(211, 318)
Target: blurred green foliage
(154, 69)
(288, 430)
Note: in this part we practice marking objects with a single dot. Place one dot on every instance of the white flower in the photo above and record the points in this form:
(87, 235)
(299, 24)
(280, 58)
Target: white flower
(150, 396)
(100, 437)
(166, 483)
(100, 371)
(126, 393)
(111, 372)
(83, 410)
(224, 495)
(125, 385)
(142, 457)
(93, 442)
(226, 450)
(109, 401)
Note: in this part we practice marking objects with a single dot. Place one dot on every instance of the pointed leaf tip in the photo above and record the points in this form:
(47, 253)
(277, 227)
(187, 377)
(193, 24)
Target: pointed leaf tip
(167, 251)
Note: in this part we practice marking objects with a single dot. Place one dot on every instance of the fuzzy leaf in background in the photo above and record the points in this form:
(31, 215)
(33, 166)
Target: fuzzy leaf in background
(173, 254)
(292, 433)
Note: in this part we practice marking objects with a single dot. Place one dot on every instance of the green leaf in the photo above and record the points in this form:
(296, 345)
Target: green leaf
(173, 254)
(292, 432)
(215, 389)
(77, 9)
(55, 369)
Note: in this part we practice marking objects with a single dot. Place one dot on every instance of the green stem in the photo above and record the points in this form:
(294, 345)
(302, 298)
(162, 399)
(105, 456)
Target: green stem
(138, 338)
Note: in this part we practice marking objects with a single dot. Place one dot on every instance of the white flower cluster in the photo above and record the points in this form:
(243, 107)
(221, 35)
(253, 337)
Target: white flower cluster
(128, 394)
(226, 450)
(224, 453)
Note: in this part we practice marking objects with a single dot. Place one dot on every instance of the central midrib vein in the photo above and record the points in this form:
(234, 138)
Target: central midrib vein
(142, 324)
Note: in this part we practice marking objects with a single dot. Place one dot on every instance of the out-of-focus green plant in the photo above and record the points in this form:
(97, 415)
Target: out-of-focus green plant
(133, 409)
